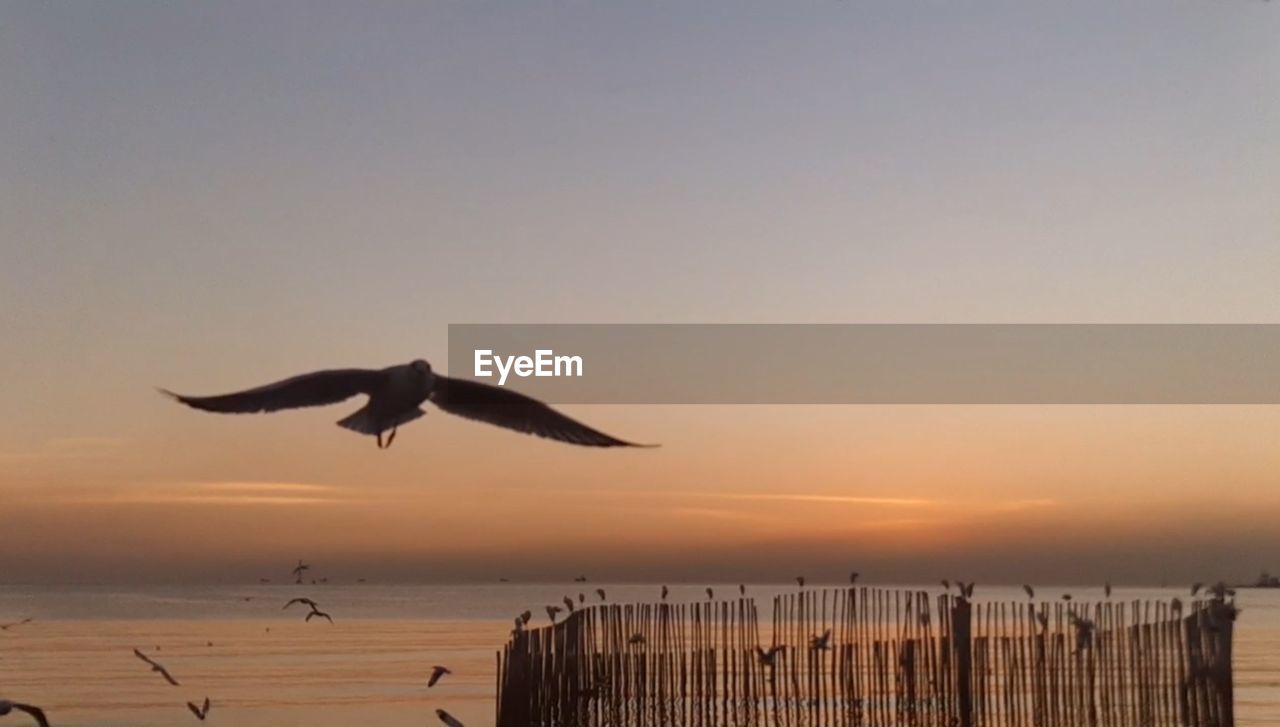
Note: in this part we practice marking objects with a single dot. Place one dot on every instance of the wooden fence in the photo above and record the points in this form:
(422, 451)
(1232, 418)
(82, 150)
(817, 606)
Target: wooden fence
(874, 657)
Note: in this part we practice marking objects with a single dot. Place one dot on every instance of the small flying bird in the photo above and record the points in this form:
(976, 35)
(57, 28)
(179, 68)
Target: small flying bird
(800, 580)
(600, 593)
(1066, 596)
(710, 594)
(6, 707)
(552, 611)
(568, 603)
(155, 666)
(822, 643)
(664, 593)
(200, 712)
(395, 394)
(448, 719)
(1031, 592)
(1195, 588)
(1084, 632)
(303, 601)
(769, 658)
(298, 570)
(437, 672)
(23, 622)
(580, 579)
(317, 612)
(853, 577)
(636, 639)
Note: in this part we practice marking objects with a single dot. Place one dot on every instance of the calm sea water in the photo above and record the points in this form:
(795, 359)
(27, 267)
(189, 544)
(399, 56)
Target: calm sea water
(265, 667)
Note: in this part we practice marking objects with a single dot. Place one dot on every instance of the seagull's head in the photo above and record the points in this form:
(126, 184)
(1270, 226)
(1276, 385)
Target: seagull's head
(421, 368)
(5, 707)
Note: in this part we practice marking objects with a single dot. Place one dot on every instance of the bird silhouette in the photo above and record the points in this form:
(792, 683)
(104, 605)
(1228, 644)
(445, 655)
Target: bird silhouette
(525, 616)
(600, 593)
(1084, 632)
(636, 639)
(1106, 589)
(946, 585)
(853, 577)
(580, 579)
(437, 672)
(552, 611)
(7, 707)
(582, 598)
(23, 622)
(448, 719)
(298, 570)
(395, 394)
(304, 601)
(742, 589)
(1195, 588)
(710, 594)
(769, 658)
(800, 581)
(315, 612)
(821, 643)
(156, 667)
(200, 712)
(664, 593)
(1031, 592)
(568, 603)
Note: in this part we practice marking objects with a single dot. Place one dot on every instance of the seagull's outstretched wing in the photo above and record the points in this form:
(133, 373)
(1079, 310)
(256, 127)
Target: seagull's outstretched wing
(513, 410)
(314, 389)
(32, 711)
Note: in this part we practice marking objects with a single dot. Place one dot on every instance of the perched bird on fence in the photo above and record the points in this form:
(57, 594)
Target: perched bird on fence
(298, 570)
(769, 658)
(7, 707)
(742, 589)
(568, 603)
(946, 585)
(710, 594)
(582, 598)
(304, 601)
(1031, 592)
(800, 581)
(552, 611)
(1220, 591)
(636, 639)
(853, 577)
(664, 593)
(1066, 596)
(395, 394)
(200, 712)
(155, 666)
(1043, 618)
(600, 593)
(437, 672)
(1106, 589)
(966, 589)
(1195, 588)
(580, 579)
(448, 719)
(524, 617)
(23, 622)
(315, 612)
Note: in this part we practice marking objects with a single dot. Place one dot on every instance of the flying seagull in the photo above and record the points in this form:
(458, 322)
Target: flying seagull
(769, 658)
(436, 673)
(822, 643)
(297, 571)
(317, 612)
(155, 666)
(395, 395)
(35, 712)
(200, 712)
(23, 622)
(448, 719)
(303, 601)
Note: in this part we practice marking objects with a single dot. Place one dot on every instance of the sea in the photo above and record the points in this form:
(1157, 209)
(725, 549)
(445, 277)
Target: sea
(262, 665)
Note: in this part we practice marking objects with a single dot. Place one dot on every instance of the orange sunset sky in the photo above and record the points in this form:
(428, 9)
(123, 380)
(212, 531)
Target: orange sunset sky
(209, 197)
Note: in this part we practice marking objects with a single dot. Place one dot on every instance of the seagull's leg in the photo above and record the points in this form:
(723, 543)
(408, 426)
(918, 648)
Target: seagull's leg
(380, 440)
(392, 436)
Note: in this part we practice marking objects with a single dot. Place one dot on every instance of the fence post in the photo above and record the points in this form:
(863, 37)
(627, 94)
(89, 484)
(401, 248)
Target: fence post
(1222, 624)
(962, 643)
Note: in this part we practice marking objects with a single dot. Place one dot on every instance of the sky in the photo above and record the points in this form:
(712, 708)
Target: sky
(212, 196)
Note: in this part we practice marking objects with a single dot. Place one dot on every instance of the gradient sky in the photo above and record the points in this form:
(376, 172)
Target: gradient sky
(209, 196)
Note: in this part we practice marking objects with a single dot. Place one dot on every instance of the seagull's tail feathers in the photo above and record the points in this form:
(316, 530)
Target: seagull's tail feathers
(363, 421)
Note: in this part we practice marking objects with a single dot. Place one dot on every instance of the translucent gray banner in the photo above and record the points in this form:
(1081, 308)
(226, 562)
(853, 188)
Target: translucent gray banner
(874, 364)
